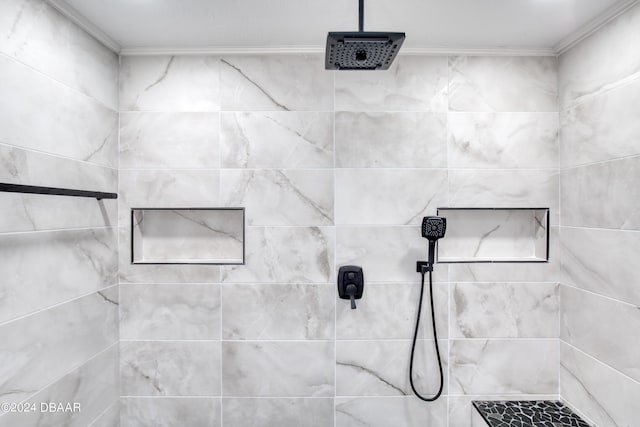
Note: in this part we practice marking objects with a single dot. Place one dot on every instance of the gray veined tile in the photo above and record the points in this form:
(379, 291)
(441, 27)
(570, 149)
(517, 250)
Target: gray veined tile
(169, 311)
(94, 386)
(514, 367)
(42, 269)
(503, 140)
(413, 83)
(389, 312)
(170, 412)
(43, 38)
(278, 369)
(605, 329)
(602, 195)
(602, 127)
(278, 312)
(586, 265)
(277, 139)
(601, 60)
(67, 123)
(280, 197)
(603, 394)
(285, 255)
(38, 349)
(387, 254)
(170, 368)
(381, 368)
(109, 418)
(389, 411)
(516, 84)
(285, 412)
(504, 310)
(276, 83)
(26, 167)
(170, 83)
(388, 196)
(406, 139)
(169, 140)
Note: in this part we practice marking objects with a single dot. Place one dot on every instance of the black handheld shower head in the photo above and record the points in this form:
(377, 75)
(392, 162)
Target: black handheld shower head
(433, 227)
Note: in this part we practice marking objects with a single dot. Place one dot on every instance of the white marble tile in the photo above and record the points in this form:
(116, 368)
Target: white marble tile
(413, 83)
(461, 410)
(94, 386)
(503, 83)
(381, 368)
(278, 312)
(41, 114)
(280, 197)
(42, 269)
(170, 368)
(389, 312)
(33, 168)
(602, 59)
(276, 82)
(601, 128)
(603, 195)
(277, 139)
(169, 140)
(504, 310)
(588, 265)
(140, 273)
(278, 369)
(388, 196)
(389, 411)
(41, 37)
(197, 236)
(170, 412)
(283, 412)
(387, 254)
(503, 140)
(603, 328)
(391, 140)
(167, 188)
(607, 397)
(285, 255)
(31, 212)
(482, 366)
(109, 418)
(170, 83)
(507, 272)
(505, 188)
(169, 312)
(38, 349)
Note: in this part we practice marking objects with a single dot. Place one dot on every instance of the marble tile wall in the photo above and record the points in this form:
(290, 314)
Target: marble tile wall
(333, 169)
(599, 235)
(59, 262)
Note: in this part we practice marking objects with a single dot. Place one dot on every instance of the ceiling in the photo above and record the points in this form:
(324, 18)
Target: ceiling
(174, 25)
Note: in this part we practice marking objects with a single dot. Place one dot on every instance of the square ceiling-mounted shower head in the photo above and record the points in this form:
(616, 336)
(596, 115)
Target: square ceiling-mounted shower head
(362, 50)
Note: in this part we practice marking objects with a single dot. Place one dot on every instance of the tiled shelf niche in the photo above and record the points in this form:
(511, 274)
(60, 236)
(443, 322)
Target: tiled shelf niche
(187, 236)
(494, 235)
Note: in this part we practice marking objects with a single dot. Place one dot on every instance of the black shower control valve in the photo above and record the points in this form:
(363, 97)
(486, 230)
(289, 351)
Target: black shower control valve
(350, 283)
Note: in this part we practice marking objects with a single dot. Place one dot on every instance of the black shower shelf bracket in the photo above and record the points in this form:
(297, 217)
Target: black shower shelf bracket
(34, 189)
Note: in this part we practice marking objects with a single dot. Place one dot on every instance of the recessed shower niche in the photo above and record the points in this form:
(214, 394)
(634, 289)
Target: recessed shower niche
(187, 236)
(494, 235)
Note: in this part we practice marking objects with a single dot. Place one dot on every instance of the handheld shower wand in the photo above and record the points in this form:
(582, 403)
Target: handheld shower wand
(433, 228)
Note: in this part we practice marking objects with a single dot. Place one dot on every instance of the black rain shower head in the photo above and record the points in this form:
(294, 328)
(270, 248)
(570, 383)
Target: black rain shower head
(360, 50)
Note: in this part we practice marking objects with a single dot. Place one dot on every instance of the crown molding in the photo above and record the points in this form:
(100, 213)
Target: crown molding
(68, 11)
(593, 26)
(292, 50)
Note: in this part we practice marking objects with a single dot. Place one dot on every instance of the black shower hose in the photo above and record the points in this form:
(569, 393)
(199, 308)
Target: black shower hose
(435, 340)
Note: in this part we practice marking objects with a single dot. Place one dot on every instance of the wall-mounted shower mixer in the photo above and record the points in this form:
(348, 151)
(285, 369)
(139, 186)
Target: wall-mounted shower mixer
(350, 283)
(433, 228)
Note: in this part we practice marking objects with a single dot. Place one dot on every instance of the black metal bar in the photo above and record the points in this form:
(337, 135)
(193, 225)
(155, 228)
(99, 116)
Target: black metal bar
(33, 189)
(361, 15)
